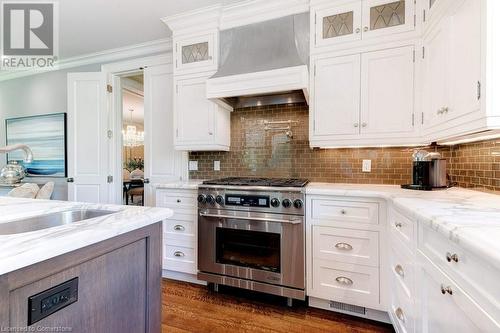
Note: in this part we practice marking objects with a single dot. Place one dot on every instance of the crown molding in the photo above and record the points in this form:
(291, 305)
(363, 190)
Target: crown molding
(254, 11)
(206, 18)
(111, 55)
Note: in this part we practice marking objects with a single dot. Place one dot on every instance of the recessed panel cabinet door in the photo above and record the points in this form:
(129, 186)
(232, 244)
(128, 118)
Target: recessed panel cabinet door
(446, 308)
(87, 138)
(465, 58)
(336, 96)
(436, 74)
(338, 24)
(385, 17)
(194, 113)
(387, 91)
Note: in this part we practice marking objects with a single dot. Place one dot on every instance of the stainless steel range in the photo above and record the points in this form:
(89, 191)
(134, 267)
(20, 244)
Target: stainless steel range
(251, 234)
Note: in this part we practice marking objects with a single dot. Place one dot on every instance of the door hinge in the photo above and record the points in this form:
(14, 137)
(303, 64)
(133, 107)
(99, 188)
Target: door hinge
(109, 88)
(110, 134)
(177, 132)
(412, 119)
(415, 20)
(314, 69)
(314, 125)
(110, 179)
(478, 90)
(425, 13)
(176, 88)
(422, 118)
(423, 52)
(413, 55)
(315, 19)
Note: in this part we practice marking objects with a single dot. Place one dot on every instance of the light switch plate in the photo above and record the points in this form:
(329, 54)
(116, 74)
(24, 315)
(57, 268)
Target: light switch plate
(367, 165)
(193, 165)
(216, 165)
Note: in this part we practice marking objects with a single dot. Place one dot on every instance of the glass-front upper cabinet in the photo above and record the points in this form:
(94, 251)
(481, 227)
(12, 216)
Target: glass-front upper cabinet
(338, 24)
(384, 17)
(348, 21)
(196, 53)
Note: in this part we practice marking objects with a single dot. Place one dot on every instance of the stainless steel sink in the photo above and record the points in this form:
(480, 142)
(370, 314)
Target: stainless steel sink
(50, 220)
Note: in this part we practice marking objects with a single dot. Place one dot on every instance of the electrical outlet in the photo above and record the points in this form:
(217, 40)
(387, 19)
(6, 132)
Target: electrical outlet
(367, 165)
(216, 165)
(193, 165)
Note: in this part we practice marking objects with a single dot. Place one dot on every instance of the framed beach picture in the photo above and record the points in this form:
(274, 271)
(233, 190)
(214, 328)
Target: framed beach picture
(45, 135)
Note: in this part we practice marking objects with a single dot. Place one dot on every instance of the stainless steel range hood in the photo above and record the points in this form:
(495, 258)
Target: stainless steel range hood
(263, 63)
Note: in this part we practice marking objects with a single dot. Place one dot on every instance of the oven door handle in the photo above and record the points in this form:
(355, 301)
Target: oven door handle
(294, 221)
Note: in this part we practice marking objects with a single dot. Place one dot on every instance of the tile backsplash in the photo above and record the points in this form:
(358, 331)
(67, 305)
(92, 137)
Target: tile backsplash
(260, 152)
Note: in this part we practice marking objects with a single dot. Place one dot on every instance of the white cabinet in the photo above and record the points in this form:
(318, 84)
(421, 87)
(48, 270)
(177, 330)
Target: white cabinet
(362, 97)
(196, 53)
(180, 233)
(445, 307)
(335, 104)
(452, 79)
(337, 22)
(387, 92)
(200, 123)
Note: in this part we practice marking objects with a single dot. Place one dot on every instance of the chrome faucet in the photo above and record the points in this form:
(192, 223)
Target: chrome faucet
(27, 151)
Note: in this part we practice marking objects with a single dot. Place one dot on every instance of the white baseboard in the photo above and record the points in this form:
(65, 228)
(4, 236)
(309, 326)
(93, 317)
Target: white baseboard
(191, 278)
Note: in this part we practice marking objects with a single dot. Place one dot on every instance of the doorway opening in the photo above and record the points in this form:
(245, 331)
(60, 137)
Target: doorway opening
(132, 92)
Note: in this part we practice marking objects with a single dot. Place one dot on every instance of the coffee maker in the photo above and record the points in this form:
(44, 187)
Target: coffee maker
(429, 171)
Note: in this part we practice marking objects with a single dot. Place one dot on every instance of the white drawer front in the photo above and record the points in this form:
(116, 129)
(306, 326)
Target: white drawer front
(176, 199)
(347, 283)
(402, 309)
(181, 230)
(184, 214)
(180, 259)
(402, 266)
(346, 245)
(403, 228)
(472, 273)
(344, 211)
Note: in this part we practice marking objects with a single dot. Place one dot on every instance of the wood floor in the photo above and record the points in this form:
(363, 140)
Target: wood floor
(191, 308)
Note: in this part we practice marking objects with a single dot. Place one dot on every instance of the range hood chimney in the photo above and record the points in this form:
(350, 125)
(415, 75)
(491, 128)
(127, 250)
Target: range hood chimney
(263, 63)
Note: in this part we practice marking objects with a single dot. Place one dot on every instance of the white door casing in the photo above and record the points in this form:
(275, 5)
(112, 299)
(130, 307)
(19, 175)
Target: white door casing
(87, 140)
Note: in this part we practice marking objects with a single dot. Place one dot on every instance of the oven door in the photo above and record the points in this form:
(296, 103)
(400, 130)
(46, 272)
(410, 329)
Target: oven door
(253, 246)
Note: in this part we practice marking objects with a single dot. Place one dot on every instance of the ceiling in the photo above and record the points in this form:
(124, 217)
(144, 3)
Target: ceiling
(90, 26)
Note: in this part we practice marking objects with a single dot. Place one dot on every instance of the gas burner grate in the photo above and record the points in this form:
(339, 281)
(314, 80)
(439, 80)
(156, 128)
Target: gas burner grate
(271, 182)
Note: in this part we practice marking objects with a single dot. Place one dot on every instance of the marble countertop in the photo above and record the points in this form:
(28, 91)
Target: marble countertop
(468, 218)
(22, 250)
(183, 185)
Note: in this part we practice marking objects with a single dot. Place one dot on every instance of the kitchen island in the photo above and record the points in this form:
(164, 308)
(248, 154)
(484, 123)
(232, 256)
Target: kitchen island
(99, 274)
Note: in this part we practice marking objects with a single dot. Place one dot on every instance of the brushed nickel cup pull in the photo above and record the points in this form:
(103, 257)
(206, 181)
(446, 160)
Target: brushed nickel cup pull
(364, 124)
(344, 280)
(451, 257)
(356, 125)
(179, 228)
(358, 30)
(399, 270)
(365, 29)
(445, 290)
(400, 314)
(179, 254)
(398, 225)
(343, 246)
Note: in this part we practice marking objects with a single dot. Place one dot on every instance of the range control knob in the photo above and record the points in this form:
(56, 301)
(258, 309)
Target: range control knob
(219, 200)
(202, 199)
(275, 202)
(287, 203)
(298, 204)
(210, 199)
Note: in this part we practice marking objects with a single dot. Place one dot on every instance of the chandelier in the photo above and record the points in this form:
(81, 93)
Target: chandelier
(132, 137)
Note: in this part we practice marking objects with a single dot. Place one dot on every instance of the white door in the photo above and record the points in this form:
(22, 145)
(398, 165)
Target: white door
(436, 74)
(446, 308)
(465, 58)
(386, 17)
(338, 24)
(87, 138)
(336, 89)
(161, 162)
(387, 91)
(194, 113)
